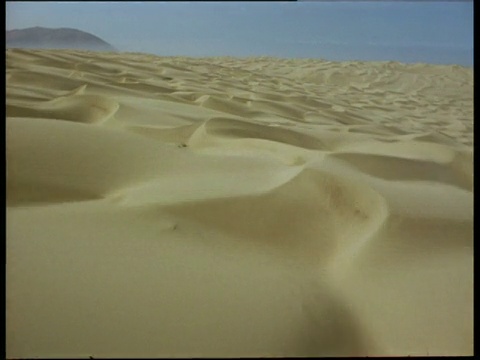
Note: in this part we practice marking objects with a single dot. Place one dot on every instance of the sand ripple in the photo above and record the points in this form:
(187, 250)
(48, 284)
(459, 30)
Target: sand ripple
(169, 206)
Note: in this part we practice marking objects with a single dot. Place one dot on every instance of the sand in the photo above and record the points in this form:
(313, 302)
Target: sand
(226, 207)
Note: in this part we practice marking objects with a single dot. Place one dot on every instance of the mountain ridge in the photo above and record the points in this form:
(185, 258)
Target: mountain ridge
(55, 38)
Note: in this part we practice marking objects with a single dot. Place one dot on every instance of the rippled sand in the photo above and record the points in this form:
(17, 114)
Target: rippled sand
(168, 206)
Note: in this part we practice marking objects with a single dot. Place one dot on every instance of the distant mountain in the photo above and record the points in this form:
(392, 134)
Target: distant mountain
(63, 38)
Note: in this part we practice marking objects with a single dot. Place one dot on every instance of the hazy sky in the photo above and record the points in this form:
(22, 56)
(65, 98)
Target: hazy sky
(415, 31)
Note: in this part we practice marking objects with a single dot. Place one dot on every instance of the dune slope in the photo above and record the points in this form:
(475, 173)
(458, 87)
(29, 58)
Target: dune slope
(196, 207)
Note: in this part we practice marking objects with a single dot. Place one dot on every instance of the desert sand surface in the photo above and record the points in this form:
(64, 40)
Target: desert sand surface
(237, 207)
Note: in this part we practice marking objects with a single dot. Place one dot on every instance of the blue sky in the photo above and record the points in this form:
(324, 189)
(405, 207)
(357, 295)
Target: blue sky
(416, 31)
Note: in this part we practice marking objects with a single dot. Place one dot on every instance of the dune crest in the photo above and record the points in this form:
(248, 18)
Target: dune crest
(197, 207)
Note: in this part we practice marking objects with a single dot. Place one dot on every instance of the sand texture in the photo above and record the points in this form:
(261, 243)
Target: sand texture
(226, 207)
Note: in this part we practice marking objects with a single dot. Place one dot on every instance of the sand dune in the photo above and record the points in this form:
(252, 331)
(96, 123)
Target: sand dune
(172, 207)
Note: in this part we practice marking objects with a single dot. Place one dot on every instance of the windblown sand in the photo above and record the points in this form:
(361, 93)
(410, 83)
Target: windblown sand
(224, 207)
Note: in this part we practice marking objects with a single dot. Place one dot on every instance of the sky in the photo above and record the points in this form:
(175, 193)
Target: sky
(437, 32)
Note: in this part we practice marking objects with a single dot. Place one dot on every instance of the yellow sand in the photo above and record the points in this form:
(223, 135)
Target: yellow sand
(196, 207)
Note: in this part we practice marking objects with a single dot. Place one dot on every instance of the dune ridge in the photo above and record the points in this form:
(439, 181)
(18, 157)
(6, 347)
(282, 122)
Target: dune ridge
(226, 207)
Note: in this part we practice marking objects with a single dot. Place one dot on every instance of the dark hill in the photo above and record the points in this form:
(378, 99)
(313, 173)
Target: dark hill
(63, 38)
